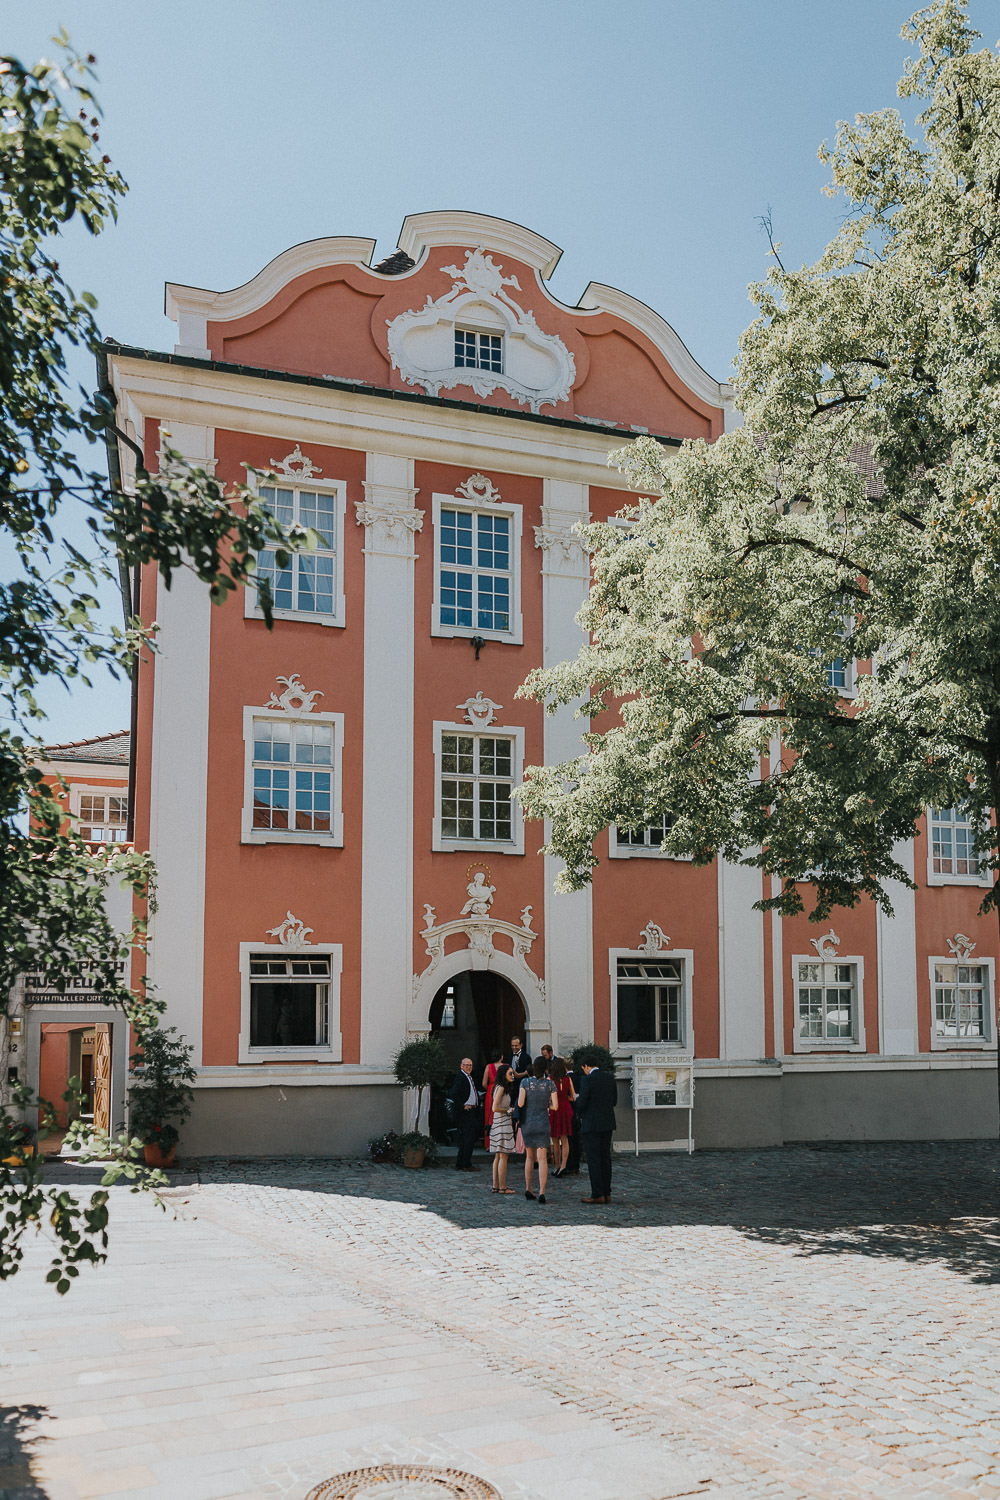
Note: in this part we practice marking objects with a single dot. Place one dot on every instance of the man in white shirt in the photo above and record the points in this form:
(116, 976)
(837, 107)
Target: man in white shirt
(465, 1097)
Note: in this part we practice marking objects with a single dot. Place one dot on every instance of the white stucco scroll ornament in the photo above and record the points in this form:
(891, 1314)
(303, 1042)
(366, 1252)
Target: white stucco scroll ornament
(654, 939)
(292, 932)
(962, 947)
(295, 465)
(480, 710)
(827, 945)
(538, 370)
(479, 489)
(296, 698)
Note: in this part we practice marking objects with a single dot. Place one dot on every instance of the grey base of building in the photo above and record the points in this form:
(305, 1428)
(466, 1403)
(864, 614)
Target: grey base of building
(731, 1112)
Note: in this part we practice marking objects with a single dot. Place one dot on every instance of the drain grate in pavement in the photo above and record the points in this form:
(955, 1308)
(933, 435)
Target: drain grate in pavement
(404, 1482)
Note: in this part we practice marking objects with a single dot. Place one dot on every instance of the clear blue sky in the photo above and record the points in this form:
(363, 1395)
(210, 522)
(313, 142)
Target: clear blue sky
(645, 137)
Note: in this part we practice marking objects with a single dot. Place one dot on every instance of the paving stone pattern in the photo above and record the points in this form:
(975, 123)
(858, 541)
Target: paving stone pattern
(795, 1322)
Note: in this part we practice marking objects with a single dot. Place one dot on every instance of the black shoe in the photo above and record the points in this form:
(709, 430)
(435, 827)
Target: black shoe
(541, 1197)
(528, 1193)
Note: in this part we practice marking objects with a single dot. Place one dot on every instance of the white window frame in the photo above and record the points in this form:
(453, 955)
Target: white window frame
(966, 1043)
(480, 332)
(78, 791)
(832, 1044)
(982, 881)
(251, 835)
(333, 1050)
(638, 955)
(490, 732)
(639, 851)
(515, 634)
(336, 487)
(850, 687)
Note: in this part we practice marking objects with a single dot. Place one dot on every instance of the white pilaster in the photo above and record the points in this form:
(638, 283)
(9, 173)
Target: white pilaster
(897, 964)
(391, 523)
(569, 968)
(741, 964)
(179, 777)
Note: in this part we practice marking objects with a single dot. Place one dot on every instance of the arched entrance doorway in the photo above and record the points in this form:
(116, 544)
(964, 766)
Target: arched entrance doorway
(474, 1012)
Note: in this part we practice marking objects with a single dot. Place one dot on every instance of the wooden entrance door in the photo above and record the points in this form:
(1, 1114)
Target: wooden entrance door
(102, 1078)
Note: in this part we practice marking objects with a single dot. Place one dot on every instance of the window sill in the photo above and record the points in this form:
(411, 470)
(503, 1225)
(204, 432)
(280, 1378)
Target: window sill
(469, 632)
(962, 1044)
(306, 617)
(474, 846)
(975, 882)
(814, 1045)
(682, 859)
(319, 840)
(265, 1055)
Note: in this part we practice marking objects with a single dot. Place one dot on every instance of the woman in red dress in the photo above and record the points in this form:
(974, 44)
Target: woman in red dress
(493, 1067)
(561, 1118)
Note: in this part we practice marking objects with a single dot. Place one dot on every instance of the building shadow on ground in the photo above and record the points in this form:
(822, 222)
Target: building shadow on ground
(17, 1442)
(910, 1201)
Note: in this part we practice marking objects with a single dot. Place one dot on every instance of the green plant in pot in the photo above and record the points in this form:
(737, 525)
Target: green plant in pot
(595, 1056)
(415, 1150)
(419, 1065)
(160, 1095)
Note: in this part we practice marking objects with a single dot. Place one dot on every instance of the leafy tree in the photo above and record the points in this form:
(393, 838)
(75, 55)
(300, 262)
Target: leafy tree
(861, 499)
(52, 914)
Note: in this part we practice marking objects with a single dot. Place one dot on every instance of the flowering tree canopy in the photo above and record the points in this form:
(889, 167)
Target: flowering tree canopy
(855, 515)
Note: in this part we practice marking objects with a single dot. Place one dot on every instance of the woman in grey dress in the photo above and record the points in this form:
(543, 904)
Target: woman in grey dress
(536, 1098)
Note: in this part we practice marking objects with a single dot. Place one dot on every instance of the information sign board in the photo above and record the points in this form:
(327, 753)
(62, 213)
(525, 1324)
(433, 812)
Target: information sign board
(663, 1078)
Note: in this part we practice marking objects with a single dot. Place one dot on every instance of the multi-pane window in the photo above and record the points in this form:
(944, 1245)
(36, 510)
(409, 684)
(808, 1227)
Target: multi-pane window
(650, 1000)
(478, 351)
(308, 585)
(477, 773)
(827, 1000)
(960, 1001)
(952, 839)
(651, 837)
(292, 775)
(475, 569)
(103, 817)
(838, 674)
(289, 1000)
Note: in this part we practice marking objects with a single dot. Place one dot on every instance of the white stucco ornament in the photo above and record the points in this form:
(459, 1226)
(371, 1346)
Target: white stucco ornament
(961, 946)
(295, 465)
(654, 939)
(827, 945)
(291, 933)
(296, 698)
(537, 368)
(480, 710)
(479, 489)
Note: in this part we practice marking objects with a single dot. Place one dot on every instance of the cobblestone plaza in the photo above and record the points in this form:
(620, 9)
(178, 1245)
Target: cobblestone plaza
(794, 1322)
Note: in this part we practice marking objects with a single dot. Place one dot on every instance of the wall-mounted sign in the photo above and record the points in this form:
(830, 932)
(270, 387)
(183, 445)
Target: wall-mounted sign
(663, 1078)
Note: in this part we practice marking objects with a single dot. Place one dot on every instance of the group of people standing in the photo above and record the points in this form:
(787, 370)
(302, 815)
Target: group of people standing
(534, 1107)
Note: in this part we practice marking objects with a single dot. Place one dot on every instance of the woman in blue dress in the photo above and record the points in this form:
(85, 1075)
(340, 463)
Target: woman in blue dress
(536, 1098)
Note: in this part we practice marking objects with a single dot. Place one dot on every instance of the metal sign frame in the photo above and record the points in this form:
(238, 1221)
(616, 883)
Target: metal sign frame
(663, 1078)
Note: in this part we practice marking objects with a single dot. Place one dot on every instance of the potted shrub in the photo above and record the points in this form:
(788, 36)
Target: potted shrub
(420, 1065)
(415, 1150)
(161, 1093)
(595, 1056)
(382, 1148)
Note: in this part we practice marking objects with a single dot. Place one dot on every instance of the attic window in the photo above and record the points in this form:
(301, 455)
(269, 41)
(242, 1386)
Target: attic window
(478, 351)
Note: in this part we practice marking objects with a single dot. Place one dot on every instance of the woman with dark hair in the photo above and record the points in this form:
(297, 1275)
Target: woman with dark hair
(536, 1098)
(561, 1118)
(502, 1133)
(494, 1068)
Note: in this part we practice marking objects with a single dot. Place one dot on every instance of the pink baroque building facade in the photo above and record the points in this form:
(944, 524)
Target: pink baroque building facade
(341, 865)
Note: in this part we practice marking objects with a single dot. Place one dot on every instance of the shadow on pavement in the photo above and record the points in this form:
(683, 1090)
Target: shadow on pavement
(16, 1481)
(926, 1202)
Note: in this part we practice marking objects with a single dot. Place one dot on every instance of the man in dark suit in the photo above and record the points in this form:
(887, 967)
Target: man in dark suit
(596, 1110)
(519, 1059)
(465, 1097)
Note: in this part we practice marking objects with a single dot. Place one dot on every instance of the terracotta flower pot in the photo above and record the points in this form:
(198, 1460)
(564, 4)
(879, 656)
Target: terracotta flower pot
(413, 1157)
(155, 1156)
